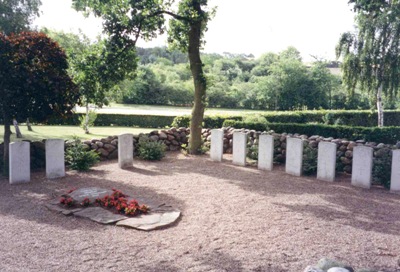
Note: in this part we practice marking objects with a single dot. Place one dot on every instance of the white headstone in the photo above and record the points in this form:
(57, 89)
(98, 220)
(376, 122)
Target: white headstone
(20, 162)
(217, 144)
(239, 148)
(294, 156)
(362, 167)
(125, 150)
(55, 162)
(395, 176)
(326, 161)
(265, 152)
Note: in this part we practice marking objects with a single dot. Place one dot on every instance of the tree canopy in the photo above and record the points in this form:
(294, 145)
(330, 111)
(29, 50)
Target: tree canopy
(16, 15)
(34, 79)
(127, 21)
(371, 56)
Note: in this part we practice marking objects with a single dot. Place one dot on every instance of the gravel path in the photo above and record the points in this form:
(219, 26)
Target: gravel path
(233, 219)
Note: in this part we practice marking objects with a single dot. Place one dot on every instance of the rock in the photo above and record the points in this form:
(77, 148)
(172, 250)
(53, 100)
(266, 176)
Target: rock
(154, 132)
(313, 144)
(154, 138)
(347, 169)
(348, 154)
(398, 145)
(360, 141)
(87, 142)
(381, 152)
(312, 269)
(174, 142)
(337, 269)
(151, 221)
(103, 152)
(94, 146)
(163, 136)
(100, 215)
(367, 270)
(345, 161)
(113, 155)
(114, 142)
(170, 137)
(351, 145)
(174, 148)
(109, 147)
(99, 144)
(326, 264)
(91, 192)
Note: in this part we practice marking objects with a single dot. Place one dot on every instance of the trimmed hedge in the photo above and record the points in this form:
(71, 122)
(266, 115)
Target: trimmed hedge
(387, 135)
(210, 121)
(145, 121)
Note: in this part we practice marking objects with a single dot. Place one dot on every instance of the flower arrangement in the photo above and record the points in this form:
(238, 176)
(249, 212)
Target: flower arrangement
(117, 200)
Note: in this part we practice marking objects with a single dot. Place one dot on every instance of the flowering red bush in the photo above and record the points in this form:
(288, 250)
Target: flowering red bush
(117, 200)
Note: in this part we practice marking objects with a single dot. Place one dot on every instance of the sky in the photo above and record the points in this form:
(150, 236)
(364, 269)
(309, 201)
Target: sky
(250, 27)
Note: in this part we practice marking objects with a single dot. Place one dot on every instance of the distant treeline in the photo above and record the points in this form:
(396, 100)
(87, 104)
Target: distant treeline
(271, 82)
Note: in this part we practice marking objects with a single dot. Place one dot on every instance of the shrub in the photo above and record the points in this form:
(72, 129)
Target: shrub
(79, 158)
(210, 121)
(252, 152)
(150, 150)
(310, 157)
(382, 167)
(259, 126)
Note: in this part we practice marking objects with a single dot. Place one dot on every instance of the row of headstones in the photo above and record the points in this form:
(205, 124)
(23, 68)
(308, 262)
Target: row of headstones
(326, 161)
(19, 155)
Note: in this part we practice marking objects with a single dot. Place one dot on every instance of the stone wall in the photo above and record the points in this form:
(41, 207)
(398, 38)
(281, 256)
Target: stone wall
(344, 151)
(175, 137)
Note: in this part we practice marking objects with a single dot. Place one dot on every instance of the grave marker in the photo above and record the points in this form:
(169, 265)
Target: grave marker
(125, 150)
(55, 162)
(20, 162)
(266, 152)
(326, 161)
(395, 176)
(294, 156)
(217, 145)
(239, 148)
(362, 167)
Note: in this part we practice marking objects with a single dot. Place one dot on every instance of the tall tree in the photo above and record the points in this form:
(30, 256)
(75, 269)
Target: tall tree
(17, 15)
(371, 57)
(127, 21)
(33, 80)
(96, 67)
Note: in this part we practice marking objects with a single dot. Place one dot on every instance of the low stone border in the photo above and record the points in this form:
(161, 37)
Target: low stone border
(160, 215)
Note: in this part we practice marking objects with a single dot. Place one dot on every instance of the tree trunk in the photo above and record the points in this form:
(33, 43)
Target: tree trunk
(7, 136)
(86, 125)
(28, 124)
(200, 85)
(379, 106)
(17, 131)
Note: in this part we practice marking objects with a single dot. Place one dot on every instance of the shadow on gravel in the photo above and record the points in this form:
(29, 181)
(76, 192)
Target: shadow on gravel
(373, 210)
(26, 201)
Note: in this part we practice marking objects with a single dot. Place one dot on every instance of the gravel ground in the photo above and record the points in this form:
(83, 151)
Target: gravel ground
(233, 219)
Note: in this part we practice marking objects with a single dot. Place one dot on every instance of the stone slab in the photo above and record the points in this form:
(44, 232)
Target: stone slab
(266, 152)
(294, 156)
(20, 162)
(217, 145)
(91, 192)
(151, 221)
(55, 160)
(100, 215)
(125, 150)
(362, 167)
(239, 148)
(326, 168)
(395, 175)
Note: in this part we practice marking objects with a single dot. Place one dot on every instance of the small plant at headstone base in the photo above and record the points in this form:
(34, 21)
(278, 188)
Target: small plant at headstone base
(252, 152)
(86, 202)
(184, 149)
(78, 158)
(381, 169)
(150, 150)
(310, 157)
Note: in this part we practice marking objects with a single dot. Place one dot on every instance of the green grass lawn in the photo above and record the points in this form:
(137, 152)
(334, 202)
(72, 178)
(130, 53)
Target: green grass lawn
(162, 110)
(68, 132)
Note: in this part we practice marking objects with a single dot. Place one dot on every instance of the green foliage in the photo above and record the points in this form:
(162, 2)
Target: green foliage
(252, 152)
(150, 150)
(212, 121)
(258, 126)
(92, 116)
(310, 160)
(17, 15)
(382, 167)
(78, 158)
